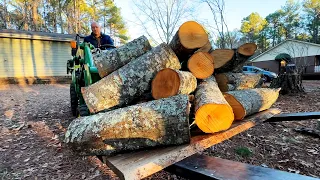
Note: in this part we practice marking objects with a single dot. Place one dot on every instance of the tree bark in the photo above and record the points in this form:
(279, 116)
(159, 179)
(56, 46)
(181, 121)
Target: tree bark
(201, 65)
(190, 37)
(169, 82)
(238, 81)
(109, 61)
(250, 101)
(213, 113)
(130, 81)
(289, 83)
(156, 123)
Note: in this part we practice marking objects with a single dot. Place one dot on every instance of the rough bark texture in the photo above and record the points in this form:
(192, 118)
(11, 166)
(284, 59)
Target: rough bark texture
(208, 93)
(289, 83)
(182, 53)
(130, 81)
(234, 65)
(111, 60)
(238, 81)
(155, 123)
(188, 83)
(255, 100)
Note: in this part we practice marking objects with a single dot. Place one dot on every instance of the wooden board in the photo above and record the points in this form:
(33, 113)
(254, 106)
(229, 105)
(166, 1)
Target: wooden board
(138, 165)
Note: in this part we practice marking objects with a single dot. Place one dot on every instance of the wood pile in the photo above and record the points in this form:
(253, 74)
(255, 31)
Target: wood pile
(211, 92)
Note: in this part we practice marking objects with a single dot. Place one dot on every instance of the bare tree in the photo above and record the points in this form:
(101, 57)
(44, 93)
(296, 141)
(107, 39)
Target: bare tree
(160, 18)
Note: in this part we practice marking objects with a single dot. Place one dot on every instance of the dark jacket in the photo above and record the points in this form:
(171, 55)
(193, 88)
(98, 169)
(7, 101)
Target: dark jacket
(104, 39)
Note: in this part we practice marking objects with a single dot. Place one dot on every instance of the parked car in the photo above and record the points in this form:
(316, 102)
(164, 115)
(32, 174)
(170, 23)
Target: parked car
(267, 75)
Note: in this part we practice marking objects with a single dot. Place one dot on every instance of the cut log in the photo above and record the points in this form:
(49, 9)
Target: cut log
(156, 123)
(242, 55)
(221, 57)
(190, 37)
(238, 81)
(111, 60)
(130, 81)
(169, 82)
(290, 83)
(250, 101)
(213, 113)
(206, 48)
(201, 65)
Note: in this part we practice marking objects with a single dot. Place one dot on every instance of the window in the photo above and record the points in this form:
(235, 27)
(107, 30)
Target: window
(317, 60)
(245, 68)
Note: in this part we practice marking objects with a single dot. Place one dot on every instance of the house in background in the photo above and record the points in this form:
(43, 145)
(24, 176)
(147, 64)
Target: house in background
(33, 54)
(294, 52)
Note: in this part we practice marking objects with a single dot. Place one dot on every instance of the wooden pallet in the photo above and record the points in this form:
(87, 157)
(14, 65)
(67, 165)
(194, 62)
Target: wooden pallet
(138, 165)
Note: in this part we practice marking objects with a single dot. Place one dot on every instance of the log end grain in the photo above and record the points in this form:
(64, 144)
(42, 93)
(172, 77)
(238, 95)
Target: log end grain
(221, 57)
(201, 65)
(247, 49)
(165, 84)
(238, 110)
(192, 35)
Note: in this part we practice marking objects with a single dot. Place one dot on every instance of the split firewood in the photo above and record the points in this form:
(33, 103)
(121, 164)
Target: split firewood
(221, 57)
(250, 101)
(130, 81)
(169, 82)
(213, 113)
(190, 37)
(238, 81)
(111, 60)
(206, 48)
(155, 123)
(241, 55)
(201, 65)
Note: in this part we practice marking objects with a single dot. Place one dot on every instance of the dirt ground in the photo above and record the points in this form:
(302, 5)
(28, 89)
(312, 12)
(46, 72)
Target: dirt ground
(33, 120)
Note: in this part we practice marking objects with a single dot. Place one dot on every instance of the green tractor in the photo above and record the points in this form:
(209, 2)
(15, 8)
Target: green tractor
(83, 73)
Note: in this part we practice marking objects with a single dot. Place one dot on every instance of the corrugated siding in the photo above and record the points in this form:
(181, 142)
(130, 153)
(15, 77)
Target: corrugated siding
(29, 58)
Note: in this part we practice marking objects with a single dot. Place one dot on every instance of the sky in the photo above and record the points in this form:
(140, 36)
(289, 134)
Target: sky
(235, 11)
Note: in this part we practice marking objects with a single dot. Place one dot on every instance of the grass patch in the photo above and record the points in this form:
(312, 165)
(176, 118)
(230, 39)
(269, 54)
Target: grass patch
(243, 152)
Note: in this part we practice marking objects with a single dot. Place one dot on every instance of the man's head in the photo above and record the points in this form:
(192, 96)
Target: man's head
(95, 28)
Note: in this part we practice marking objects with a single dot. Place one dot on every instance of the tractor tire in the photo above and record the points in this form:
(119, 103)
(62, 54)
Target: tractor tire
(73, 99)
(83, 110)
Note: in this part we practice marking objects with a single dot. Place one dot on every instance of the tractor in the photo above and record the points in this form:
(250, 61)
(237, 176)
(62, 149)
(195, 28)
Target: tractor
(83, 73)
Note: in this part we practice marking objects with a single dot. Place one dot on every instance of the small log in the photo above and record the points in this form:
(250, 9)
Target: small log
(238, 81)
(221, 57)
(111, 60)
(156, 123)
(190, 37)
(250, 101)
(169, 82)
(201, 65)
(206, 48)
(130, 81)
(213, 113)
(241, 55)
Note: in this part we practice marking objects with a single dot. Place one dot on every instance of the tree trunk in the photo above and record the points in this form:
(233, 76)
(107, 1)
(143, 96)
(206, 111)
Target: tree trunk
(250, 101)
(238, 81)
(169, 82)
(60, 17)
(155, 123)
(213, 113)
(242, 54)
(111, 60)
(289, 83)
(130, 81)
(190, 37)
(201, 65)
(221, 57)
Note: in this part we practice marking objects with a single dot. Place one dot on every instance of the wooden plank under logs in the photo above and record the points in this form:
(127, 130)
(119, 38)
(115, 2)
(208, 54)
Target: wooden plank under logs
(138, 165)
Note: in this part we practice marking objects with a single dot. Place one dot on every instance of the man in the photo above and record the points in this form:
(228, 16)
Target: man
(97, 38)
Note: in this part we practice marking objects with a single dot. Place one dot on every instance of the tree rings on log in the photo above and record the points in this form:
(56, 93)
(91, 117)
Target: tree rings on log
(155, 123)
(221, 57)
(111, 60)
(206, 48)
(247, 49)
(190, 36)
(130, 81)
(213, 113)
(169, 82)
(238, 81)
(250, 101)
(201, 65)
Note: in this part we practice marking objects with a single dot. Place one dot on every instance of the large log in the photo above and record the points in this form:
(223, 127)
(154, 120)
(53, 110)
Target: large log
(290, 83)
(111, 60)
(201, 65)
(156, 123)
(241, 55)
(130, 81)
(250, 101)
(213, 113)
(190, 37)
(169, 82)
(238, 81)
(221, 56)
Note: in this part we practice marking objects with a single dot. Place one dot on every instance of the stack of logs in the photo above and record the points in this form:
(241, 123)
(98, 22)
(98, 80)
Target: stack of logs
(211, 92)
